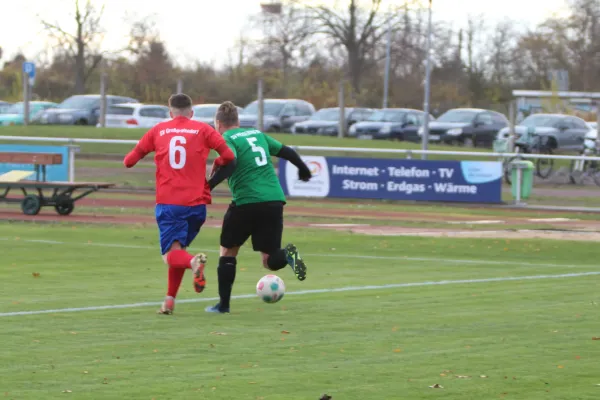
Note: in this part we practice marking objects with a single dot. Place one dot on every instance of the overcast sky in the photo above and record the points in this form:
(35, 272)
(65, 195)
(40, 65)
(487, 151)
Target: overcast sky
(204, 30)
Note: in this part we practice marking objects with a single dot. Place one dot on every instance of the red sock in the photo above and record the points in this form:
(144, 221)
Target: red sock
(175, 278)
(179, 259)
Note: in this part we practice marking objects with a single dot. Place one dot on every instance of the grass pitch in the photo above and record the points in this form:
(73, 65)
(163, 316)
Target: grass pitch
(517, 337)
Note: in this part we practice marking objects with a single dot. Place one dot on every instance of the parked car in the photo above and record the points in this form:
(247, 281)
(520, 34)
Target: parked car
(390, 123)
(279, 114)
(4, 105)
(135, 115)
(556, 131)
(591, 137)
(80, 110)
(471, 127)
(206, 113)
(15, 114)
(326, 121)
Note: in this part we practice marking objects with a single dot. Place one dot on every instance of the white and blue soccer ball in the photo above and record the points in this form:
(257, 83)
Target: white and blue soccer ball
(270, 288)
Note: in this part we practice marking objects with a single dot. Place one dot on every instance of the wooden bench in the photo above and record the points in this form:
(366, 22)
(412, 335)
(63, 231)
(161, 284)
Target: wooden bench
(38, 160)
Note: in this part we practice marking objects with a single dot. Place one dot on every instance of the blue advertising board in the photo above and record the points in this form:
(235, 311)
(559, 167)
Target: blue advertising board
(54, 173)
(421, 180)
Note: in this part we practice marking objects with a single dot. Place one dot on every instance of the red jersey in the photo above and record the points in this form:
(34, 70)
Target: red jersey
(181, 148)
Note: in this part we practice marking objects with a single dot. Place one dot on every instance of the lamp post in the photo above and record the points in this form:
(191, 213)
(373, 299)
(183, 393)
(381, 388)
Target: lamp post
(425, 138)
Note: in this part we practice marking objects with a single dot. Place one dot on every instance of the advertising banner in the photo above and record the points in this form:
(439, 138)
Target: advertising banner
(421, 180)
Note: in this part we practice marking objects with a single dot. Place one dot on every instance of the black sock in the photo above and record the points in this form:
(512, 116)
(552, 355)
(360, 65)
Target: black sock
(226, 274)
(277, 260)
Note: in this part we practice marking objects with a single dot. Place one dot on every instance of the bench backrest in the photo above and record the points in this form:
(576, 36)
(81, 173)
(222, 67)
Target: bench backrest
(31, 158)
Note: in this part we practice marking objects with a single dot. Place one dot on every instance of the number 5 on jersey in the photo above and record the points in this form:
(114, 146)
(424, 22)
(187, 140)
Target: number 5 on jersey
(262, 158)
(176, 151)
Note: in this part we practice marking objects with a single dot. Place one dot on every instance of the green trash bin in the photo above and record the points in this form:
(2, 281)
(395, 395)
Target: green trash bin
(526, 168)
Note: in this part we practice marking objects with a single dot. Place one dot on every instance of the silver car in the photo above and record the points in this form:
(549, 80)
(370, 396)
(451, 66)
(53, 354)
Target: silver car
(206, 113)
(556, 131)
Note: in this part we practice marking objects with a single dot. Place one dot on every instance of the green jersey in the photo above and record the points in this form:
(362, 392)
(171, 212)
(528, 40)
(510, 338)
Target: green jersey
(254, 179)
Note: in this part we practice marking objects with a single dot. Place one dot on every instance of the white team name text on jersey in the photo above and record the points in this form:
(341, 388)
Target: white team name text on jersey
(177, 130)
(244, 134)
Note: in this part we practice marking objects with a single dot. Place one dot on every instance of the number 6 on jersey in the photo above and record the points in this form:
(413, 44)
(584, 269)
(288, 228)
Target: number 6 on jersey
(174, 150)
(262, 159)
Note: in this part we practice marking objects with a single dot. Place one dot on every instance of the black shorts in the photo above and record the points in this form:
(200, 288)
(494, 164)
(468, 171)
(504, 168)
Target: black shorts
(261, 221)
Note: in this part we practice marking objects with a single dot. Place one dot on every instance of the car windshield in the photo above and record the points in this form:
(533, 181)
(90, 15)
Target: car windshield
(272, 109)
(386, 116)
(540, 120)
(205, 111)
(326, 114)
(79, 102)
(457, 116)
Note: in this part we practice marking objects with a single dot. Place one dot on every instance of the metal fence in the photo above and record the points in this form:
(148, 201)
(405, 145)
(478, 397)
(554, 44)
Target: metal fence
(408, 153)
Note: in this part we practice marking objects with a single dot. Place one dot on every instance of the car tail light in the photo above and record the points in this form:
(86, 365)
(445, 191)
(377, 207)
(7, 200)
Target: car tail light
(131, 121)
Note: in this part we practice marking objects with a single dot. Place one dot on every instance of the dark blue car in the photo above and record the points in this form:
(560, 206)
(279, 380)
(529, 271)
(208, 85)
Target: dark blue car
(80, 110)
(391, 124)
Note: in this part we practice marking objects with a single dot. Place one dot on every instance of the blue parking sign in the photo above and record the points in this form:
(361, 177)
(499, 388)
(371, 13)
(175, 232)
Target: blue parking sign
(29, 70)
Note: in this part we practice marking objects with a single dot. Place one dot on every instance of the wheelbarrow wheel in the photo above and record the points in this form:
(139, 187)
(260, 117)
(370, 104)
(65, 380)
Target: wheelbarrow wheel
(64, 206)
(31, 205)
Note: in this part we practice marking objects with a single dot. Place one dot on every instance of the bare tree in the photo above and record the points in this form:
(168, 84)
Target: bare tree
(82, 46)
(285, 34)
(142, 33)
(357, 29)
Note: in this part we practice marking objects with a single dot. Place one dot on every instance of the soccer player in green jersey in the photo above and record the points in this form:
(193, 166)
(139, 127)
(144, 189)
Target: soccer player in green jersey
(256, 209)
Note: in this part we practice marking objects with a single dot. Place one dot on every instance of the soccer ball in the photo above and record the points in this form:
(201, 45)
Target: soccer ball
(270, 288)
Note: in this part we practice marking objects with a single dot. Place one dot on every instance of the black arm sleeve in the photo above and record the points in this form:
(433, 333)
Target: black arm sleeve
(287, 153)
(221, 174)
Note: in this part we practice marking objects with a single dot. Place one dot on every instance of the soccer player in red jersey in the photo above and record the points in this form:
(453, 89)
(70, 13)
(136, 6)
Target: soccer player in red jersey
(181, 146)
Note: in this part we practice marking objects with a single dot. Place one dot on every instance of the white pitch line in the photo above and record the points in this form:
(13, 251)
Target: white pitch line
(304, 292)
(329, 255)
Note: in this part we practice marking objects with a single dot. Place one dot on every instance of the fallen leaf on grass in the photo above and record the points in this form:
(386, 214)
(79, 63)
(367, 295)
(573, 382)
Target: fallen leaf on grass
(577, 357)
(218, 333)
(285, 332)
(483, 376)
(596, 338)
(561, 366)
(442, 374)
(73, 333)
(105, 381)
(67, 391)
(462, 376)
(397, 350)
(394, 329)
(212, 345)
(155, 351)
(252, 383)
(85, 372)
(242, 269)
(436, 386)
(36, 274)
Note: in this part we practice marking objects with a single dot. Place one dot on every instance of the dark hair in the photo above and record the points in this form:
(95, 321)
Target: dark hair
(227, 114)
(180, 101)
